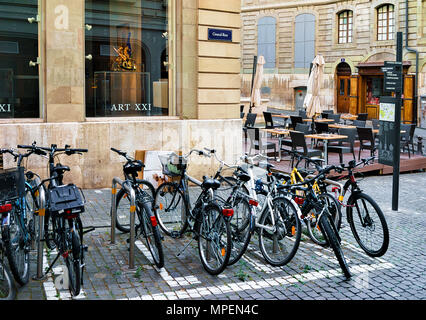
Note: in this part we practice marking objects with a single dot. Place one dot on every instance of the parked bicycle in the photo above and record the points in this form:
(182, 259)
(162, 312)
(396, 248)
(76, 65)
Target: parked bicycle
(206, 220)
(63, 226)
(7, 284)
(146, 224)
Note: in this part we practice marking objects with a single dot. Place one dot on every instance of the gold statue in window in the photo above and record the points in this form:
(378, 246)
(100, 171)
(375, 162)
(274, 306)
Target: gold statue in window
(124, 61)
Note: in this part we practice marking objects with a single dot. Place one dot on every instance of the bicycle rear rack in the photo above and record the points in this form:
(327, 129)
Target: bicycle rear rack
(126, 185)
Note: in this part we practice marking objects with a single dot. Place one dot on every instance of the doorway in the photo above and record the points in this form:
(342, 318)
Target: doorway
(343, 87)
(299, 97)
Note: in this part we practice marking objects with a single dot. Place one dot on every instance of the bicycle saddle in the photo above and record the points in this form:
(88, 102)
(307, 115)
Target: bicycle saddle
(59, 168)
(242, 176)
(210, 183)
(281, 176)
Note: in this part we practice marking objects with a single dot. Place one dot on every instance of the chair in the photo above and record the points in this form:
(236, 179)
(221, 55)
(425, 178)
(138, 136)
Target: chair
(299, 127)
(299, 141)
(359, 123)
(250, 121)
(321, 127)
(302, 113)
(335, 117)
(295, 120)
(257, 143)
(375, 123)
(345, 145)
(366, 139)
(269, 122)
(242, 115)
(362, 116)
(328, 111)
(324, 115)
(241, 108)
(407, 137)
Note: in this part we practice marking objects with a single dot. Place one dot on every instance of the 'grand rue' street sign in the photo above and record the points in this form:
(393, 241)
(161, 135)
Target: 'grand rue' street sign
(220, 34)
(392, 76)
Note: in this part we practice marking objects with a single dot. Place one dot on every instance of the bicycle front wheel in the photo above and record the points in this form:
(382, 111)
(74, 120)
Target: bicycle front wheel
(17, 249)
(214, 239)
(170, 209)
(331, 235)
(280, 232)
(7, 285)
(152, 234)
(368, 224)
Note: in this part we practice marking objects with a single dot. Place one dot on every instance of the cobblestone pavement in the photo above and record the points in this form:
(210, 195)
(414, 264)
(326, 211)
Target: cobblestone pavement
(312, 274)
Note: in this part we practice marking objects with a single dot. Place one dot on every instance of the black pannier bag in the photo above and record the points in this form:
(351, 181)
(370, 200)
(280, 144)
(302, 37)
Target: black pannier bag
(12, 183)
(67, 197)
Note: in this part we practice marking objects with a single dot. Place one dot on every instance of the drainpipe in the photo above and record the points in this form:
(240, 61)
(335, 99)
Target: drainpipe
(417, 64)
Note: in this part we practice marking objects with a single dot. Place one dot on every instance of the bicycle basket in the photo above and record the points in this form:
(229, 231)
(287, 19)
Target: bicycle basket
(12, 183)
(173, 165)
(68, 197)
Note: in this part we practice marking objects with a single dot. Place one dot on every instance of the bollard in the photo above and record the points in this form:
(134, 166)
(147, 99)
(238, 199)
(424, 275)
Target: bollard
(419, 145)
(41, 214)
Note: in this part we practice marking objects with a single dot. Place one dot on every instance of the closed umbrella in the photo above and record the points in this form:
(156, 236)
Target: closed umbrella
(257, 82)
(312, 101)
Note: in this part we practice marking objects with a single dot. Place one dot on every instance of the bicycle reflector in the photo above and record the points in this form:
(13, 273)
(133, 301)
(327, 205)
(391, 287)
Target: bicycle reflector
(5, 208)
(228, 212)
(153, 221)
(299, 200)
(253, 203)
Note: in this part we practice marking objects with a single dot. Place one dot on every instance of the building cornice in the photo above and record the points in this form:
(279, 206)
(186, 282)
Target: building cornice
(287, 4)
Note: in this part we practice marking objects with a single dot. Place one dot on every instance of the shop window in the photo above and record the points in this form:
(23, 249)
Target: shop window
(19, 82)
(304, 40)
(266, 40)
(385, 22)
(127, 72)
(375, 90)
(345, 19)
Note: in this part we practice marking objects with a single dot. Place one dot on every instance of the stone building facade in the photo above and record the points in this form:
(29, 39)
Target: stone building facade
(354, 37)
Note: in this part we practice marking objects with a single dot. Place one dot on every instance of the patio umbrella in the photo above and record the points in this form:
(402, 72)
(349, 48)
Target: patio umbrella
(257, 83)
(312, 101)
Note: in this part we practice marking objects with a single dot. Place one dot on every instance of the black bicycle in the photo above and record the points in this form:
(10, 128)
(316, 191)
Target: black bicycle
(146, 222)
(63, 226)
(7, 285)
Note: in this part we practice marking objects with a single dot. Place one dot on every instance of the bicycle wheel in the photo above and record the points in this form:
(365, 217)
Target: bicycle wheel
(7, 285)
(73, 262)
(279, 238)
(214, 239)
(32, 205)
(122, 221)
(333, 208)
(170, 209)
(331, 235)
(17, 248)
(225, 189)
(151, 234)
(368, 224)
(240, 229)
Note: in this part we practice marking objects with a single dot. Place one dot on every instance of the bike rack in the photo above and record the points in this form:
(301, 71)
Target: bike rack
(124, 184)
(41, 213)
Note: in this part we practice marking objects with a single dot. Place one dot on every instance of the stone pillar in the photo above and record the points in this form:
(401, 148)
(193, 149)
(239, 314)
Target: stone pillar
(65, 61)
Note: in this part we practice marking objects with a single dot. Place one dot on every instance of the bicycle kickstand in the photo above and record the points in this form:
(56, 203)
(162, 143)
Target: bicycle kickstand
(184, 248)
(52, 264)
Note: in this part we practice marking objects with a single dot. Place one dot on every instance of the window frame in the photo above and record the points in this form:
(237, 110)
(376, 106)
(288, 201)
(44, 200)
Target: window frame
(268, 65)
(386, 35)
(348, 25)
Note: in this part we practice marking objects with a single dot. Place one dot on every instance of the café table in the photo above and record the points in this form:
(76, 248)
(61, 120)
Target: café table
(348, 116)
(326, 137)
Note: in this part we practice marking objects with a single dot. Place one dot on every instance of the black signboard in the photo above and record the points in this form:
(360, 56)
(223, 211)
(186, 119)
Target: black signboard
(393, 76)
(387, 133)
(220, 34)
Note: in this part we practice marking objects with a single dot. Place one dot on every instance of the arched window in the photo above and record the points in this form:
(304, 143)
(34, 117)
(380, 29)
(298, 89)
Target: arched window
(385, 22)
(345, 26)
(304, 40)
(266, 40)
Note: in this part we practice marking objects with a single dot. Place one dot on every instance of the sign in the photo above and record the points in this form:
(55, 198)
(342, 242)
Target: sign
(220, 35)
(392, 76)
(387, 112)
(387, 132)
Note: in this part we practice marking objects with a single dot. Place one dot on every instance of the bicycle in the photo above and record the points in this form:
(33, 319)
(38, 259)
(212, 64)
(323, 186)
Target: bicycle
(63, 226)
(19, 228)
(147, 223)
(324, 220)
(368, 217)
(7, 285)
(206, 220)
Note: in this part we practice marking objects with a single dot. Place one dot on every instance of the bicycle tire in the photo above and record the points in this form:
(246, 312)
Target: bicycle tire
(17, 250)
(380, 251)
(289, 226)
(7, 284)
(73, 263)
(152, 235)
(240, 230)
(217, 227)
(122, 219)
(334, 208)
(171, 222)
(330, 234)
(226, 183)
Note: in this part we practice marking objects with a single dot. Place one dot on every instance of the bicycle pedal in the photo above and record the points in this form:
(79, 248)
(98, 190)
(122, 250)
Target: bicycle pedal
(85, 248)
(175, 234)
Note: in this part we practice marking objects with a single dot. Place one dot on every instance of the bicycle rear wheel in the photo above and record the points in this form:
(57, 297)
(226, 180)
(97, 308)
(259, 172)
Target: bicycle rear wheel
(7, 285)
(214, 239)
(170, 209)
(73, 263)
(279, 241)
(368, 224)
(152, 234)
(330, 233)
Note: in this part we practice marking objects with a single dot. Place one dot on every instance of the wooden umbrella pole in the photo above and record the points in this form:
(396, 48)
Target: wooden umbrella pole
(252, 80)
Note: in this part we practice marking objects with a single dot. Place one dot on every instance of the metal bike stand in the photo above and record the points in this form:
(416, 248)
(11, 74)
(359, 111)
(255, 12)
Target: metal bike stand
(41, 214)
(127, 186)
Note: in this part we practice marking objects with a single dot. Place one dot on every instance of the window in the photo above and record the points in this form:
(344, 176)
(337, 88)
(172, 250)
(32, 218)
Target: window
(127, 56)
(304, 40)
(345, 26)
(266, 40)
(385, 22)
(19, 81)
